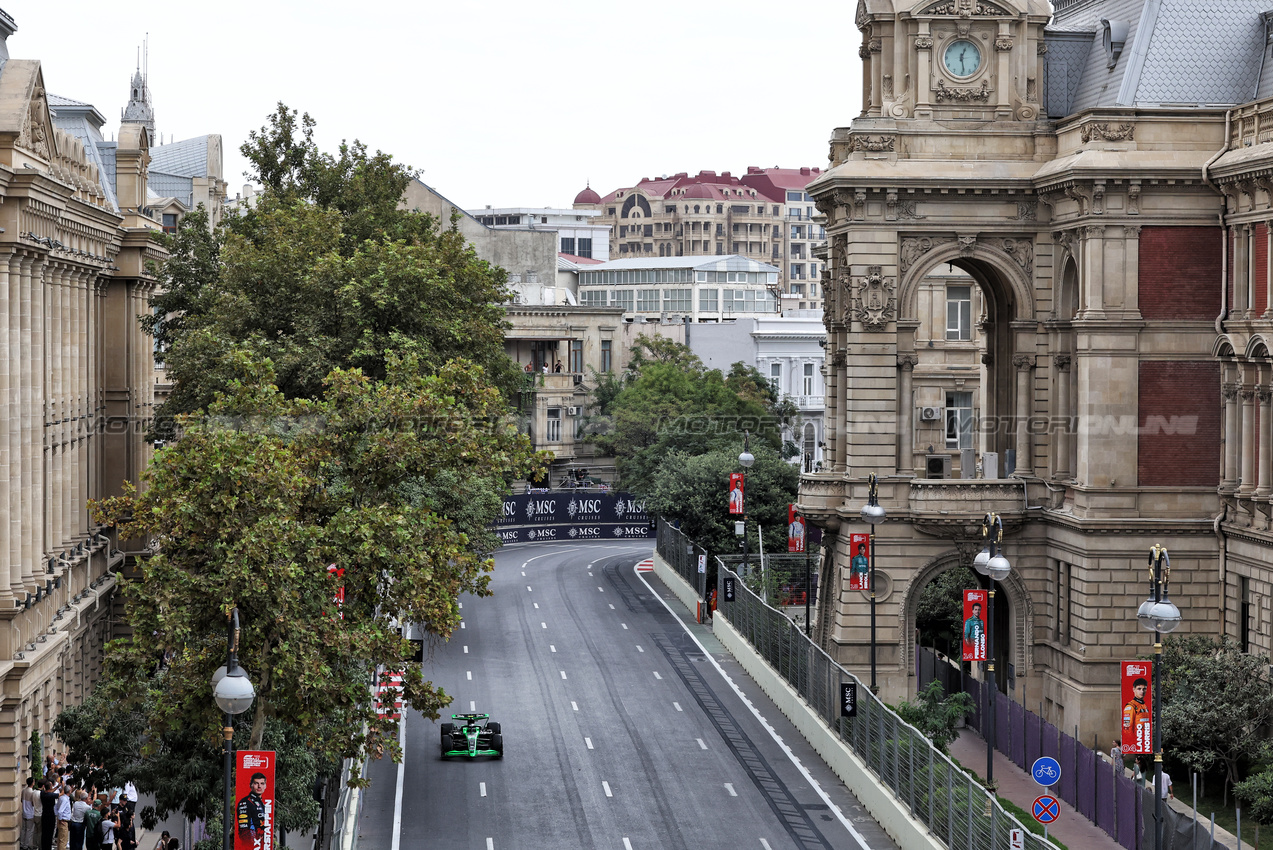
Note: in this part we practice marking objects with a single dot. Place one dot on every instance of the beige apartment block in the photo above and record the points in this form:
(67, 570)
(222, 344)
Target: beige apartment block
(76, 396)
(1117, 239)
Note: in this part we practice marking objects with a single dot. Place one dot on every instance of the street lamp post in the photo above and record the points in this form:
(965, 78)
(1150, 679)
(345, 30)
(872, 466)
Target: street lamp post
(872, 512)
(991, 563)
(1160, 616)
(234, 693)
(746, 459)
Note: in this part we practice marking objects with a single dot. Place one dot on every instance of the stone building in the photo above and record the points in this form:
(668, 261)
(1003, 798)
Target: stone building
(1103, 184)
(76, 395)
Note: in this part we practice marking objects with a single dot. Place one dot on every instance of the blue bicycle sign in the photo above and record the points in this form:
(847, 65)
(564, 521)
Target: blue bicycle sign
(1046, 771)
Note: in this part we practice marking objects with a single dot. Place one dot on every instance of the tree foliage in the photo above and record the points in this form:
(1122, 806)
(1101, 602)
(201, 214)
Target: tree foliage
(939, 616)
(1216, 702)
(937, 714)
(668, 402)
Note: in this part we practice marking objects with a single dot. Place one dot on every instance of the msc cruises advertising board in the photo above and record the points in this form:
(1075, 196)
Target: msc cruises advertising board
(570, 515)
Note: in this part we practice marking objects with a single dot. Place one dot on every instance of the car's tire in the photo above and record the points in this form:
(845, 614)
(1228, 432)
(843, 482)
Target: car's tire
(497, 744)
(446, 734)
(447, 729)
(493, 727)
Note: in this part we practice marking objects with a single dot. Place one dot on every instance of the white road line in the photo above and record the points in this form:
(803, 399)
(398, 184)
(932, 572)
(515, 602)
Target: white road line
(611, 606)
(677, 706)
(469, 673)
(563, 674)
(729, 786)
(461, 624)
(536, 604)
(627, 845)
(605, 786)
(472, 705)
(574, 705)
(490, 843)
(765, 844)
(543, 625)
(701, 745)
(397, 791)
(459, 605)
(639, 649)
(844, 821)
(482, 788)
(523, 574)
(602, 589)
(625, 625)
(528, 590)
(552, 648)
(656, 675)
(588, 741)
(466, 650)
(590, 574)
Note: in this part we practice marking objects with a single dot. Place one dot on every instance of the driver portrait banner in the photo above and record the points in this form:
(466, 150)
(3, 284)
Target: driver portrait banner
(860, 561)
(254, 800)
(974, 631)
(1138, 707)
(795, 530)
(735, 492)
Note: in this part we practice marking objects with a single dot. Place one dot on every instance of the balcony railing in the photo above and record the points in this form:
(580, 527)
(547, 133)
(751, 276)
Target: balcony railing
(1252, 125)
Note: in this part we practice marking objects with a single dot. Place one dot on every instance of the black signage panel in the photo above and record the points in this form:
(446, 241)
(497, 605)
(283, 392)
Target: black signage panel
(848, 699)
(731, 590)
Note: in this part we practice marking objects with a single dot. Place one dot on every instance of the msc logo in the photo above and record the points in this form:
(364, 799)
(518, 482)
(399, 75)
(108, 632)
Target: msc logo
(508, 536)
(629, 531)
(539, 507)
(509, 509)
(588, 506)
(542, 534)
(589, 531)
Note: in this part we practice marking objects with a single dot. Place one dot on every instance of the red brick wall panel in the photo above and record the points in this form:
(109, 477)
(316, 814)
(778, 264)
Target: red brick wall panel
(1261, 295)
(1179, 436)
(1180, 272)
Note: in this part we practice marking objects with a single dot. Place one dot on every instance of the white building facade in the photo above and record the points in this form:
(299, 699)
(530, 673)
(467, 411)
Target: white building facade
(691, 289)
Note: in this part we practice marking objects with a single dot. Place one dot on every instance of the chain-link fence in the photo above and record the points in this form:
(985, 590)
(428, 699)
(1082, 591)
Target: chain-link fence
(950, 802)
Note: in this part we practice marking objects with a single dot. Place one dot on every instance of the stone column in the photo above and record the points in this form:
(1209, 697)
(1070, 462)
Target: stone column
(54, 404)
(17, 419)
(1023, 362)
(1268, 270)
(7, 590)
(30, 428)
(1092, 270)
(906, 413)
(1061, 416)
(1247, 392)
(1264, 394)
(1241, 270)
(924, 58)
(1232, 434)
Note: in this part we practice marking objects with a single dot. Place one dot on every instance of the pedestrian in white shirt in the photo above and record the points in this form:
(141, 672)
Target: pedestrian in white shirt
(62, 811)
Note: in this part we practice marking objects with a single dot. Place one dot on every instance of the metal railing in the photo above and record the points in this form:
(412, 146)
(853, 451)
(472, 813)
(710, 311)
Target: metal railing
(940, 795)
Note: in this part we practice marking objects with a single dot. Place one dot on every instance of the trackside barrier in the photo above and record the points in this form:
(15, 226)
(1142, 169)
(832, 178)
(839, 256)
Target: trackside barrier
(909, 786)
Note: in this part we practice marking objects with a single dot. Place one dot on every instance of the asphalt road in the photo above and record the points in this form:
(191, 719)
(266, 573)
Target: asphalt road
(626, 726)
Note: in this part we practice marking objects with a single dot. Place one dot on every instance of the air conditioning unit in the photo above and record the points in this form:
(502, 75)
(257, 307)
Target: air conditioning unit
(937, 466)
(572, 411)
(930, 414)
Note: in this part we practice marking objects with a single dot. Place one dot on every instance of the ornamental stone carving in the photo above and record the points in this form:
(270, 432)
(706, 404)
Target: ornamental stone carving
(875, 45)
(1027, 211)
(967, 244)
(1107, 133)
(957, 95)
(1022, 361)
(864, 52)
(873, 143)
(1003, 43)
(923, 42)
(909, 209)
(907, 362)
(1229, 391)
(1021, 250)
(964, 9)
(875, 304)
(1264, 393)
(914, 248)
(1062, 362)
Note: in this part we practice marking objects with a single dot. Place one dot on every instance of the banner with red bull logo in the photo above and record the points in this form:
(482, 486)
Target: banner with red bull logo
(1138, 707)
(254, 806)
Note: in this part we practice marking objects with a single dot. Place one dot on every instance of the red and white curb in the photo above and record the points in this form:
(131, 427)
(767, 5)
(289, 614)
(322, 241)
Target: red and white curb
(646, 566)
(389, 696)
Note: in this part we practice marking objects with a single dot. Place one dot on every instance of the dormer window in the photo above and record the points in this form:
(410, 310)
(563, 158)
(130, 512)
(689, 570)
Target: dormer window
(1113, 37)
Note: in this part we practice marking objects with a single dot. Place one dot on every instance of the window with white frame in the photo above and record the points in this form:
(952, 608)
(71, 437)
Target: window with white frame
(622, 298)
(775, 376)
(678, 300)
(553, 433)
(808, 379)
(708, 299)
(958, 420)
(958, 312)
(592, 297)
(648, 300)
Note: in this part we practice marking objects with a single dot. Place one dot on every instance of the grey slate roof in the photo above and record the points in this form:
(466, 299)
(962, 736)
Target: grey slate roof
(186, 158)
(84, 122)
(1178, 52)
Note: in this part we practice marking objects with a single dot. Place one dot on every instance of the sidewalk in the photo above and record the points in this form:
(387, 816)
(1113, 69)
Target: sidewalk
(1071, 828)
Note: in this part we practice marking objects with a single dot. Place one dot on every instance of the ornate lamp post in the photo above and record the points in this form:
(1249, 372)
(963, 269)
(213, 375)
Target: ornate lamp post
(873, 513)
(991, 563)
(746, 459)
(1160, 616)
(234, 694)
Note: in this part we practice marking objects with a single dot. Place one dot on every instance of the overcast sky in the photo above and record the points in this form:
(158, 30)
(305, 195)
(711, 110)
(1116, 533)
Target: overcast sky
(500, 103)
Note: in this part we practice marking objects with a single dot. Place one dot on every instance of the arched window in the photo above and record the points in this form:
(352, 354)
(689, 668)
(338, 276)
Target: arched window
(696, 208)
(810, 443)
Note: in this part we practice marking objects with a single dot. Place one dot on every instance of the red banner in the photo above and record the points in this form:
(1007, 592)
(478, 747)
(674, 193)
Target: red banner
(974, 639)
(254, 795)
(860, 561)
(1138, 705)
(795, 530)
(735, 492)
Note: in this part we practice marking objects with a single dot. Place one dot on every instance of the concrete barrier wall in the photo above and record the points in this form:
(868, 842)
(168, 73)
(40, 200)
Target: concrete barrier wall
(890, 812)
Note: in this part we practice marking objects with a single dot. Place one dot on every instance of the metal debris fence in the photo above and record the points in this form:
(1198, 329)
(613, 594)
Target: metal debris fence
(950, 802)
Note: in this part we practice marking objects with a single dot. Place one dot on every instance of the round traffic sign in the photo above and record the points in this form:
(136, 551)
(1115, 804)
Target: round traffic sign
(1046, 809)
(1046, 771)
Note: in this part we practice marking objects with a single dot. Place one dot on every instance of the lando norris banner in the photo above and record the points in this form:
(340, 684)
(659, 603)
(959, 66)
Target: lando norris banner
(567, 515)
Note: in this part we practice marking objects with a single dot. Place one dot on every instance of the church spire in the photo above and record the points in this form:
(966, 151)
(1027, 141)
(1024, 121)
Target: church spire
(139, 109)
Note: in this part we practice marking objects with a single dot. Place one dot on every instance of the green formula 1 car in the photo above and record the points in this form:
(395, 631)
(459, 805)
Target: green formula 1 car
(474, 735)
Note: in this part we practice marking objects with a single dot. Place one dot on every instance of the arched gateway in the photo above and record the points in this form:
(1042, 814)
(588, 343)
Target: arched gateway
(1005, 333)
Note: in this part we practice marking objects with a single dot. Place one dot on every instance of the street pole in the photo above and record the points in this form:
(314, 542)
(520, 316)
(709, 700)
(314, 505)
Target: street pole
(1159, 614)
(227, 826)
(991, 563)
(746, 459)
(808, 591)
(872, 513)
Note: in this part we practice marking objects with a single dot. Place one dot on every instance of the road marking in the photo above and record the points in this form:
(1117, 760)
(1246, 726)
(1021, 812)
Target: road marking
(639, 649)
(605, 786)
(588, 741)
(461, 624)
(701, 745)
(528, 590)
(543, 625)
(473, 705)
(602, 589)
(536, 604)
(765, 844)
(523, 574)
(552, 648)
(574, 705)
(482, 788)
(490, 843)
(397, 791)
(563, 674)
(656, 675)
(627, 845)
(625, 625)
(470, 675)
(729, 786)
(459, 605)
(589, 573)
(466, 650)
(677, 706)
(611, 606)
(844, 821)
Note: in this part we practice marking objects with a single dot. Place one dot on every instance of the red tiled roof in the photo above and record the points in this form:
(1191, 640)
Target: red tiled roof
(770, 183)
(583, 261)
